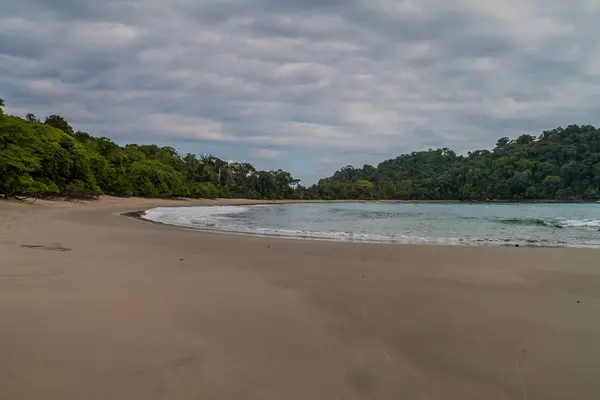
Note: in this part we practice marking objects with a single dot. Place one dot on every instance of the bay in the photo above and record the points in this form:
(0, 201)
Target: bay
(539, 225)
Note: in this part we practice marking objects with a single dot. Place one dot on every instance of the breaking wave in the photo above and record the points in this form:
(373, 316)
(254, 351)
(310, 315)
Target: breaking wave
(553, 222)
(387, 224)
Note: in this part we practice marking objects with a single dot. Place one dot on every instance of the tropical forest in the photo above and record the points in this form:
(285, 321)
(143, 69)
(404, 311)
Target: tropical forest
(48, 158)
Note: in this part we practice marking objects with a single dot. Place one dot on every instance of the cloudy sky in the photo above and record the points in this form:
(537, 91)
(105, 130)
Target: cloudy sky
(305, 85)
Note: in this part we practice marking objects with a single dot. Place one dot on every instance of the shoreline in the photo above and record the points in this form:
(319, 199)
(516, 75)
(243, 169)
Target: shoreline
(242, 201)
(461, 242)
(317, 201)
(96, 304)
(139, 216)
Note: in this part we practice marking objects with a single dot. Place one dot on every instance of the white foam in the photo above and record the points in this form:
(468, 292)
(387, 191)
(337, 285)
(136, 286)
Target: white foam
(578, 223)
(190, 216)
(215, 218)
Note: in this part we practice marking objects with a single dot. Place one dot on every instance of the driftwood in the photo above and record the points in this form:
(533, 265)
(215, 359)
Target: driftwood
(76, 192)
(13, 196)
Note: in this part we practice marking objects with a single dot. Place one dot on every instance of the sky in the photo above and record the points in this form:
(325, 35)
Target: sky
(308, 86)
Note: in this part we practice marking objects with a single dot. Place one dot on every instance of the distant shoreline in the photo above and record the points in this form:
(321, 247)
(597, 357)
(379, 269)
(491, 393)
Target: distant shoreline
(452, 201)
(207, 202)
(292, 201)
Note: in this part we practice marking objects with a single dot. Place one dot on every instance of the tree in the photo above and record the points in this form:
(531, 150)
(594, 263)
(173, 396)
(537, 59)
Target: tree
(525, 139)
(48, 159)
(552, 184)
(18, 158)
(363, 189)
(83, 137)
(518, 185)
(560, 164)
(59, 122)
(43, 159)
(502, 142)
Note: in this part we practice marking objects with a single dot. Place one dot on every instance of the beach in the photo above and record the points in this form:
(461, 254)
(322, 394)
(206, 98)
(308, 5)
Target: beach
(97, 305)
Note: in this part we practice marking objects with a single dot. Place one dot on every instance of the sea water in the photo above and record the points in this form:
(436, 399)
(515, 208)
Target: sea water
(541, 225)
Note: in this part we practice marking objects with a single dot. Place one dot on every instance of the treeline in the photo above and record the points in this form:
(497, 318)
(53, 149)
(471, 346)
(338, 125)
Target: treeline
(51, 159)
(561, 164)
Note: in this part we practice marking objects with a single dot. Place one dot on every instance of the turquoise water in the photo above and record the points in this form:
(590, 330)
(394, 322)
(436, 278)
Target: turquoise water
(544, 225)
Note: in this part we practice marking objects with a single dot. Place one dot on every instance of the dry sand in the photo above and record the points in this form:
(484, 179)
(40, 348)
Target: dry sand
(94, 305)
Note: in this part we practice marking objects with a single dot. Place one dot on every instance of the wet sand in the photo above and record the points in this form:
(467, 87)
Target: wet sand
(95, 305)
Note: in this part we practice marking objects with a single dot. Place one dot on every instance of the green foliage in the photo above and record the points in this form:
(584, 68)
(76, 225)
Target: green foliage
(47, 159)
(156, 179)
(363, 189)
(58, 122)
(31, 118)
(18, 156)
(204, 190)
(561, 164)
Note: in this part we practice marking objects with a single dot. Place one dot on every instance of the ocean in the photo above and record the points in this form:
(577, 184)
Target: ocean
(536, 225)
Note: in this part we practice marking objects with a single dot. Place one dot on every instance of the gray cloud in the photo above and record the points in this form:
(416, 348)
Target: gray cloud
(309, 86)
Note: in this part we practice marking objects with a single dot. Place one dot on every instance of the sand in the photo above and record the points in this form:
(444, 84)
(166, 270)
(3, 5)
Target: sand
(95, 305)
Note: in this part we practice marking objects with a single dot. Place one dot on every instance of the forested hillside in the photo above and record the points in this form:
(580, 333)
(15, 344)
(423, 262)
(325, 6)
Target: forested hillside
(50, 158)
(561, 164)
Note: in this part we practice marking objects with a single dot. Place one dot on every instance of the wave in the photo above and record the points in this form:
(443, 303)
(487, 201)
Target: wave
(526, 221)
(403, 239)
(190, 216)
(377, 214)
(214, 226)
(553, 222)
(591, 223)
(248, 220)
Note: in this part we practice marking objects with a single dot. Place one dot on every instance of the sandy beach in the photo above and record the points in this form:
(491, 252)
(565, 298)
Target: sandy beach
(96, 305)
